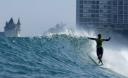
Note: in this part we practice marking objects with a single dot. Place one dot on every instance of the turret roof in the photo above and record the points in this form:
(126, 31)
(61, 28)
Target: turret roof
(18, 23)
(11, 21)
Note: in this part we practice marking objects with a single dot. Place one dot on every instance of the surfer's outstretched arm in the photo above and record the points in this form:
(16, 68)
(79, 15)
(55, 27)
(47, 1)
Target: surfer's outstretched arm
(107, 39)
(91, 38)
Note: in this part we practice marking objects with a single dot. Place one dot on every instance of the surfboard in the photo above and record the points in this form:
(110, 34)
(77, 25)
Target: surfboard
(93, 60)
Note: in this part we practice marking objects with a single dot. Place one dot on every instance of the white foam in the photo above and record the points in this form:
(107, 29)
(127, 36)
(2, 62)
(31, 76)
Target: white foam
(116, 60)
(72, 32)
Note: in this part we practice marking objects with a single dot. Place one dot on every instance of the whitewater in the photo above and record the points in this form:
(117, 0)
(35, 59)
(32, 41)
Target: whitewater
(54, 56)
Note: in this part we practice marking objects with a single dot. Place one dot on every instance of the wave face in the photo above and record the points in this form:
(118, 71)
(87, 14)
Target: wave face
(57, 56)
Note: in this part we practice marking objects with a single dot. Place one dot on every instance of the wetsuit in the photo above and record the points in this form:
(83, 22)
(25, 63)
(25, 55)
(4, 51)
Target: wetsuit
(99, 49)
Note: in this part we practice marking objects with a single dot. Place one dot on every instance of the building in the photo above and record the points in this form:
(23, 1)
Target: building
(11, 29)
(102, 14)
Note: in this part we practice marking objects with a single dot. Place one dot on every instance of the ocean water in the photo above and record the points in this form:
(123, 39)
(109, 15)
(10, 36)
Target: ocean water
(55, 56)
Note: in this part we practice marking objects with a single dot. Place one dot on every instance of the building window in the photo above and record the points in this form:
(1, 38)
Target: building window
(81, 6)
(95, 6)
(125, 17)
(120, 2)
(120, 21)
(81, 11)
(126, 21)
(125, 11)
(91, 2)
(81, 15)
(125, 2)
(125, 8)
(81, 2)
(94, 15)
(114, 20)
(93, 11)
(120, 7)
(115, 2)
(120, 17)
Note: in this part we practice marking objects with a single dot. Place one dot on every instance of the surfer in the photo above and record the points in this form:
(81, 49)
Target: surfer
(99, 47)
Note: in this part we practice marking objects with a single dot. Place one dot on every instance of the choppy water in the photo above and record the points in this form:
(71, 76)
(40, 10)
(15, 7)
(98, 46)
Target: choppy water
(57, 56)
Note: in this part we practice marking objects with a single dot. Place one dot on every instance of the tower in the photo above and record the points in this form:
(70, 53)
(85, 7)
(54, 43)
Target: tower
(11, 29)
(18, 28)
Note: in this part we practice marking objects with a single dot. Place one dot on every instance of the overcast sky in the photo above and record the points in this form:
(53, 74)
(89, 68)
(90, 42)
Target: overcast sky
(37, 15)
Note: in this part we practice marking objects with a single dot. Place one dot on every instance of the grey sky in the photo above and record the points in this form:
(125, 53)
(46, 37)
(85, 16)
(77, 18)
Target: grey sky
(37, 15)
